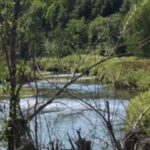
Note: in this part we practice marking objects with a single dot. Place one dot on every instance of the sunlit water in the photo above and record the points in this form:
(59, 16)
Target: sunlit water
(67, 115)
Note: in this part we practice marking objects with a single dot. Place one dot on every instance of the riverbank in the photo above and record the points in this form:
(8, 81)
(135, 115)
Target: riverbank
(82, 89)
(132, 73)
(65, 78)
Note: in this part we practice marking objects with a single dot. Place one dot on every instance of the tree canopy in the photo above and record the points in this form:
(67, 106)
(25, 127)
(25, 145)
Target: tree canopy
(67, 27)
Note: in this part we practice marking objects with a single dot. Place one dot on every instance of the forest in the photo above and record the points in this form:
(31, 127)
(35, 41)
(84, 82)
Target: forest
(94, 52)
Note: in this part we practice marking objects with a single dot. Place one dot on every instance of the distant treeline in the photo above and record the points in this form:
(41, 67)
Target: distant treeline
(62, 27)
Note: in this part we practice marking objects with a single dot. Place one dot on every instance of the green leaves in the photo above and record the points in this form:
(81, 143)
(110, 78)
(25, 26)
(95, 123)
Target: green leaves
(138, 32)
(136, 108)
(104, 33)
(76, 31)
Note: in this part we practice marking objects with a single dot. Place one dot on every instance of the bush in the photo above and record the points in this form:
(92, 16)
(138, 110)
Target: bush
(137, 106)
(125, 72)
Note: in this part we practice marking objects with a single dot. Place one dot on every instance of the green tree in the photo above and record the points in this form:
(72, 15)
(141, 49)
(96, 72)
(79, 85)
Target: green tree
(57, 13)
(106, 7)
(104, 33)
(82, 9)
(13, 16)
(137, 31)
(76, 32)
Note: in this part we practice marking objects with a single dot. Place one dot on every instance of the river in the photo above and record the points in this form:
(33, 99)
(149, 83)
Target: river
(68, 114)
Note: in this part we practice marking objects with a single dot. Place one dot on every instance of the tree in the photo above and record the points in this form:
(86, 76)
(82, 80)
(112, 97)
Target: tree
(76, 31)
(137, 33)
(14, 34)
(12, 24)
(12, 15)
(104, 34)
(58, 13)
(11, 20)
(106, 7)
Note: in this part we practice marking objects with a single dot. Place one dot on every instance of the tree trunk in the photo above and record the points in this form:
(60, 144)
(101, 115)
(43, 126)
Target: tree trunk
(12, 72)
(18, 133)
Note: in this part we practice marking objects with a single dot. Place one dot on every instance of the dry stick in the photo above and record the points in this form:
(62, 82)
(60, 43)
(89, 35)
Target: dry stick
(76, 78)
(36, 99)
(73, 80)
(138, 121)
(107, 122)
(65, 86)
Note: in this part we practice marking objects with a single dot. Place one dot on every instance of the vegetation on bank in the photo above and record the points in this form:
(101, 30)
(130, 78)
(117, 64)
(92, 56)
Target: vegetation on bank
(138, 112)
(123, 72)
(132, 73)
(69, 31)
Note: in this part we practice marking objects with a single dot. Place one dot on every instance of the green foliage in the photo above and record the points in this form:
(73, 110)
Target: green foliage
(136, 107)
(52, 14)
(69, 20)
(46, 63)
(58, 12)
(59, 45)
(3, 131)
(72, 39)
(90, 9)
(125, 72)
(139, 79)
(3, 74)
(61, 26)
(82, 9)
(138, 31)
(76, 32)
(104, 33)
(106, 7)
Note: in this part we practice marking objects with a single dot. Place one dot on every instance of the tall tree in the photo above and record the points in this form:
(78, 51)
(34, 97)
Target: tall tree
(12, 14)
(137, 33)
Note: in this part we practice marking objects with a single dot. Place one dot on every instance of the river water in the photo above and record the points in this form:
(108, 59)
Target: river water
(68, 114)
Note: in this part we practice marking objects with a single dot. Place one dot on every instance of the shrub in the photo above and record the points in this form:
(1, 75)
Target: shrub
(135, 108)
